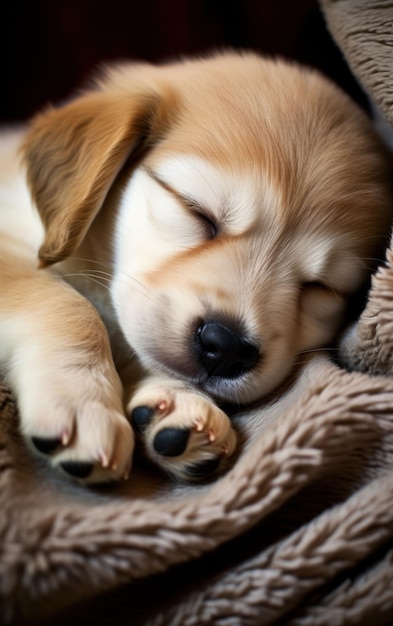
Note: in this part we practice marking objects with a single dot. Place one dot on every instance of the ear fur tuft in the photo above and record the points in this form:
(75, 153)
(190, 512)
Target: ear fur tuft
(73, 155)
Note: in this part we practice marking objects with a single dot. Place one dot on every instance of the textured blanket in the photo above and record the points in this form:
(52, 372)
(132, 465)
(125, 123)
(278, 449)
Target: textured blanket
(298, 532)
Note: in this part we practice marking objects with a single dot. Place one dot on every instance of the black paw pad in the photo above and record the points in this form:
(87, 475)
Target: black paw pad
(44, 445)
(141, 417)
(78, 469)
(171, 441)
(203, 469)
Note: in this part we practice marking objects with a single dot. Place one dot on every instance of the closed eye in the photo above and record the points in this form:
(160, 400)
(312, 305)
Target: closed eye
(320, 287)
(314, 284)
(208, 223)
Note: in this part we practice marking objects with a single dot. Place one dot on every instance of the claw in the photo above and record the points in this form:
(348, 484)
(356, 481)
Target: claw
(225, 449)
(65, 438)
(103, 457)
(199, 425)
(211, 436)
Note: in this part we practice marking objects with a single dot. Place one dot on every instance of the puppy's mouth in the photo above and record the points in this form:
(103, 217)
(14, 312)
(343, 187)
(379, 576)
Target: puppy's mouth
(220, 360)
(226, 389)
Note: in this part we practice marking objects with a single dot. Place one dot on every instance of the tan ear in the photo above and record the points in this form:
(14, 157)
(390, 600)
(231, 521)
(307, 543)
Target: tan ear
(73, 155)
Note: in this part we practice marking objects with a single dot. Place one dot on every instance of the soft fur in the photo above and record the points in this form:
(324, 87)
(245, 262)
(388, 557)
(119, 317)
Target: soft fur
(234, 194)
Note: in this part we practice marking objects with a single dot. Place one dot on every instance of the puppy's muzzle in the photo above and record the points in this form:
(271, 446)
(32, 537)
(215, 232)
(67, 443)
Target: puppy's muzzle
(224, 352)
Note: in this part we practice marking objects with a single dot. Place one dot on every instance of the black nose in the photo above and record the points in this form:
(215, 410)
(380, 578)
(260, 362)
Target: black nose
(223, 352)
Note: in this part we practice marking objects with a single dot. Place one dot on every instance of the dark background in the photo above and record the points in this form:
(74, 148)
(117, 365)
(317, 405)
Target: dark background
(50, 46)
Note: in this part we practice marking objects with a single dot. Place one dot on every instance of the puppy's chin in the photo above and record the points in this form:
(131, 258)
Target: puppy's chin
(246, 388)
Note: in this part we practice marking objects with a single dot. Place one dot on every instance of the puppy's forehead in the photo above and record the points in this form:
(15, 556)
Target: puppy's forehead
(238, 201)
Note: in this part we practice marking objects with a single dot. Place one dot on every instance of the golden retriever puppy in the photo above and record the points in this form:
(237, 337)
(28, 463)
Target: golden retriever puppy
(190, 230)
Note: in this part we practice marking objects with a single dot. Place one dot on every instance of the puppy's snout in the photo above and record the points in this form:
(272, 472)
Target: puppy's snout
(224, 352)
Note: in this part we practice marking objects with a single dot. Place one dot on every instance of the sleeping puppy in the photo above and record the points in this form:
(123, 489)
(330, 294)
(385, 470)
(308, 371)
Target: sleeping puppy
(190, 230)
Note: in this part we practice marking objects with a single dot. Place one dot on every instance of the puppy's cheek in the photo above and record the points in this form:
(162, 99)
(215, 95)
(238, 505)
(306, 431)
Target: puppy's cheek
(320, 315)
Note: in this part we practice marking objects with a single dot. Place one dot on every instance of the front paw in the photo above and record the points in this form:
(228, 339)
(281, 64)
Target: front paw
(182, 430)
(78, 424)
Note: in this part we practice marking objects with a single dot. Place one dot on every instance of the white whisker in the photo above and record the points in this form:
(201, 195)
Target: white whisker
(94, 279)
(92, 261)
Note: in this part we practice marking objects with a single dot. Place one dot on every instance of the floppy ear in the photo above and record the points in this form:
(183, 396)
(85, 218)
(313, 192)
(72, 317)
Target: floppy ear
(73, 155)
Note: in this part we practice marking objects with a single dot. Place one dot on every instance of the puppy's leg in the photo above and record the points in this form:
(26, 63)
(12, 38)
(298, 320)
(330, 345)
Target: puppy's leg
(183, 431)
(58, 361)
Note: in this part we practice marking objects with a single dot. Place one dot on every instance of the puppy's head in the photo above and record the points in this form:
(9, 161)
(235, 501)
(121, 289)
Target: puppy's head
(251, 196)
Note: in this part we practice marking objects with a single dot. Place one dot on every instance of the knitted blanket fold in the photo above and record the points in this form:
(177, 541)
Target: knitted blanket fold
(299, 532)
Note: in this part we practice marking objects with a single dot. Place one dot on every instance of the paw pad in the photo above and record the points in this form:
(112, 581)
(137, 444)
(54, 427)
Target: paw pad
(77, 469)
(141, 417)
(171, 441)
(45, 445)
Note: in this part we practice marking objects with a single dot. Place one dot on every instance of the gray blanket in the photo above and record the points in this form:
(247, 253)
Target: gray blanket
(298, 532)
